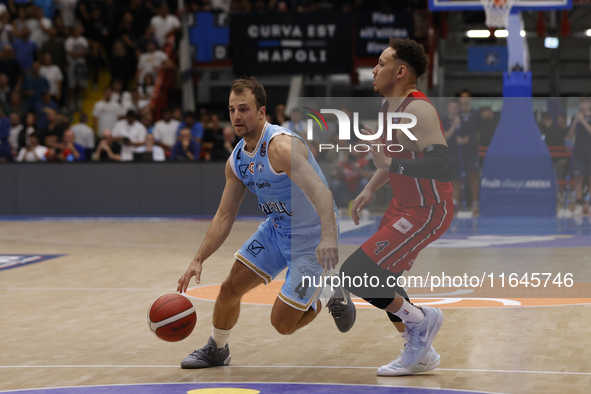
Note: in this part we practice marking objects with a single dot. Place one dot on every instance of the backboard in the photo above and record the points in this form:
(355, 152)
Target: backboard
(520, 5)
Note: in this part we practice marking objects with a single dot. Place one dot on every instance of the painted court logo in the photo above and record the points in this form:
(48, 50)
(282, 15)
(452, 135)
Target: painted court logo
(391, 122)
(8, 261)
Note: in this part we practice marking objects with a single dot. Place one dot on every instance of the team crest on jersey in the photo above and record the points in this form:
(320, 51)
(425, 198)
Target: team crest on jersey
(251, 168)
(260, 166)
(264, 149)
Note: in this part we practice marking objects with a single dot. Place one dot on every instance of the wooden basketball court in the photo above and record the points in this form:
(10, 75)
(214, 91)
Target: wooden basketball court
(79, 319)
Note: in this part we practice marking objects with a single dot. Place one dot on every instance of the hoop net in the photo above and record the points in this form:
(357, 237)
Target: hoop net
(497, 12)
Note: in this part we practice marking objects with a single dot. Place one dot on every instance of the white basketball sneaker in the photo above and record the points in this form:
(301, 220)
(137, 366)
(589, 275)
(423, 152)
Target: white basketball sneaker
(395, 368)
(420, 336)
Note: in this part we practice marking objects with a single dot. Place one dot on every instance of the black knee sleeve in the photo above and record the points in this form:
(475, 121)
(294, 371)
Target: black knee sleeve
(360, 265)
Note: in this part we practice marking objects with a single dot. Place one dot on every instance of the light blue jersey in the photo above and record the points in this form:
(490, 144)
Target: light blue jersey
(291, 233)
(288, 207)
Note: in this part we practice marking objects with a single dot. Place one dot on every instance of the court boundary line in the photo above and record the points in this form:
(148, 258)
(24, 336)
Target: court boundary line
(296, 366)
(231, 383)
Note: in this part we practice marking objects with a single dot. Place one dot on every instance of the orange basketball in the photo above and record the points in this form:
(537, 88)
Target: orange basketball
(172, 317)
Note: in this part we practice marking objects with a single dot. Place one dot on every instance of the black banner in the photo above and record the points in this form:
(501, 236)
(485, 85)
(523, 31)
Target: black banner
(291, 43)
(374, 30)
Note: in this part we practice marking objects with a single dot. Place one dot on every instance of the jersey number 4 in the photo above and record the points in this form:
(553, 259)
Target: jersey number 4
(381, 245)
(300, 290)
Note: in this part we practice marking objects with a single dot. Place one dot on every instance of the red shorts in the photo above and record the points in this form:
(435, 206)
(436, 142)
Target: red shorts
(404, 232)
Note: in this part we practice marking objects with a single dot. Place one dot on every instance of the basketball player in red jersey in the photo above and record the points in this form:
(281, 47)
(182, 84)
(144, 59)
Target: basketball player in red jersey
(419, 213)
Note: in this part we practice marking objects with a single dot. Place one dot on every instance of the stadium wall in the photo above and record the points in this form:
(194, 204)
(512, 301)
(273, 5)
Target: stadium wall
(115, 189)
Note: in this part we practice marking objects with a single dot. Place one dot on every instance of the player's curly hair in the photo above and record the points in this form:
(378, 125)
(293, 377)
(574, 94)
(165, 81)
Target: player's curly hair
(412, 53)
(250, 83)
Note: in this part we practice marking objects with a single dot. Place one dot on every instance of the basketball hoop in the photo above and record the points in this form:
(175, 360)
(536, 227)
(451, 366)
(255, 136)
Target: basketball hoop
(497, 12)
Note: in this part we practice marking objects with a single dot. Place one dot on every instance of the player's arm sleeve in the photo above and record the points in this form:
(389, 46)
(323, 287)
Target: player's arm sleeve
(436, 164)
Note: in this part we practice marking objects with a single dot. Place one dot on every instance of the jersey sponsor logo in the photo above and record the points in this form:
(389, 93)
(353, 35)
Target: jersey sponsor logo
(264, 149)
(263, 185)
(250, 185)
(403, 225)
(400, 169)
(243, 169)
(8, 261)
(302, 269)
(516, 184)
(251, 168)
(255, 247)
(260, 167)
(381, 245)
(270, 207)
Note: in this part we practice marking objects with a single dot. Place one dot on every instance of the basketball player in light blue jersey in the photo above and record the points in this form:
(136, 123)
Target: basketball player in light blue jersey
(300, 231)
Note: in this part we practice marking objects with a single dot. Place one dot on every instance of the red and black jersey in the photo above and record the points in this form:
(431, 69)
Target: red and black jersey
(409, 191)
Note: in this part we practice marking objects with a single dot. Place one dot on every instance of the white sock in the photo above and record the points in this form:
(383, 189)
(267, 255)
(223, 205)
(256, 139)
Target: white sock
(410, 313)
(221, 337)
(325, 295)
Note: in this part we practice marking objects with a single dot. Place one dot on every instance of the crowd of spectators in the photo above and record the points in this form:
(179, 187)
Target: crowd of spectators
(51, 52)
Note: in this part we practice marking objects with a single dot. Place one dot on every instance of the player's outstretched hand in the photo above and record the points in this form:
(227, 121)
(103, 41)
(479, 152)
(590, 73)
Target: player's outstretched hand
(194, 270)
(327, 253)
(359, 203)
(378, 151)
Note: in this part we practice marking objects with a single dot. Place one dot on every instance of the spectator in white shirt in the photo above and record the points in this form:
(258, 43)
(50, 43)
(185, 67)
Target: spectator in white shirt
(84, 134)
(150, 151)
(150, 62)
(165, 130)
(146, 89)
(34, 152)
(39, 26)
(131, 133)
(77, 47)
(119, 95)
(6, 30)
(137, 104)
(106, 113)
(67, 8)
(164, 24)
(54, 76)
(16, 127)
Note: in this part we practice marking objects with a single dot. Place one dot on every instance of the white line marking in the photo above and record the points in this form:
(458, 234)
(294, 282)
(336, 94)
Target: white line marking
(295, 366)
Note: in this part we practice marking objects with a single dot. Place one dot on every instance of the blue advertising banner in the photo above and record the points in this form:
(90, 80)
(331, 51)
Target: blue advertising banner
(209, 35)
(487, 58)
(374, 30)
(518, 178)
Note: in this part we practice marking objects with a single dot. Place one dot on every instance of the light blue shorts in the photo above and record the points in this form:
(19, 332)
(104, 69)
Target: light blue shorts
(269, 251)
